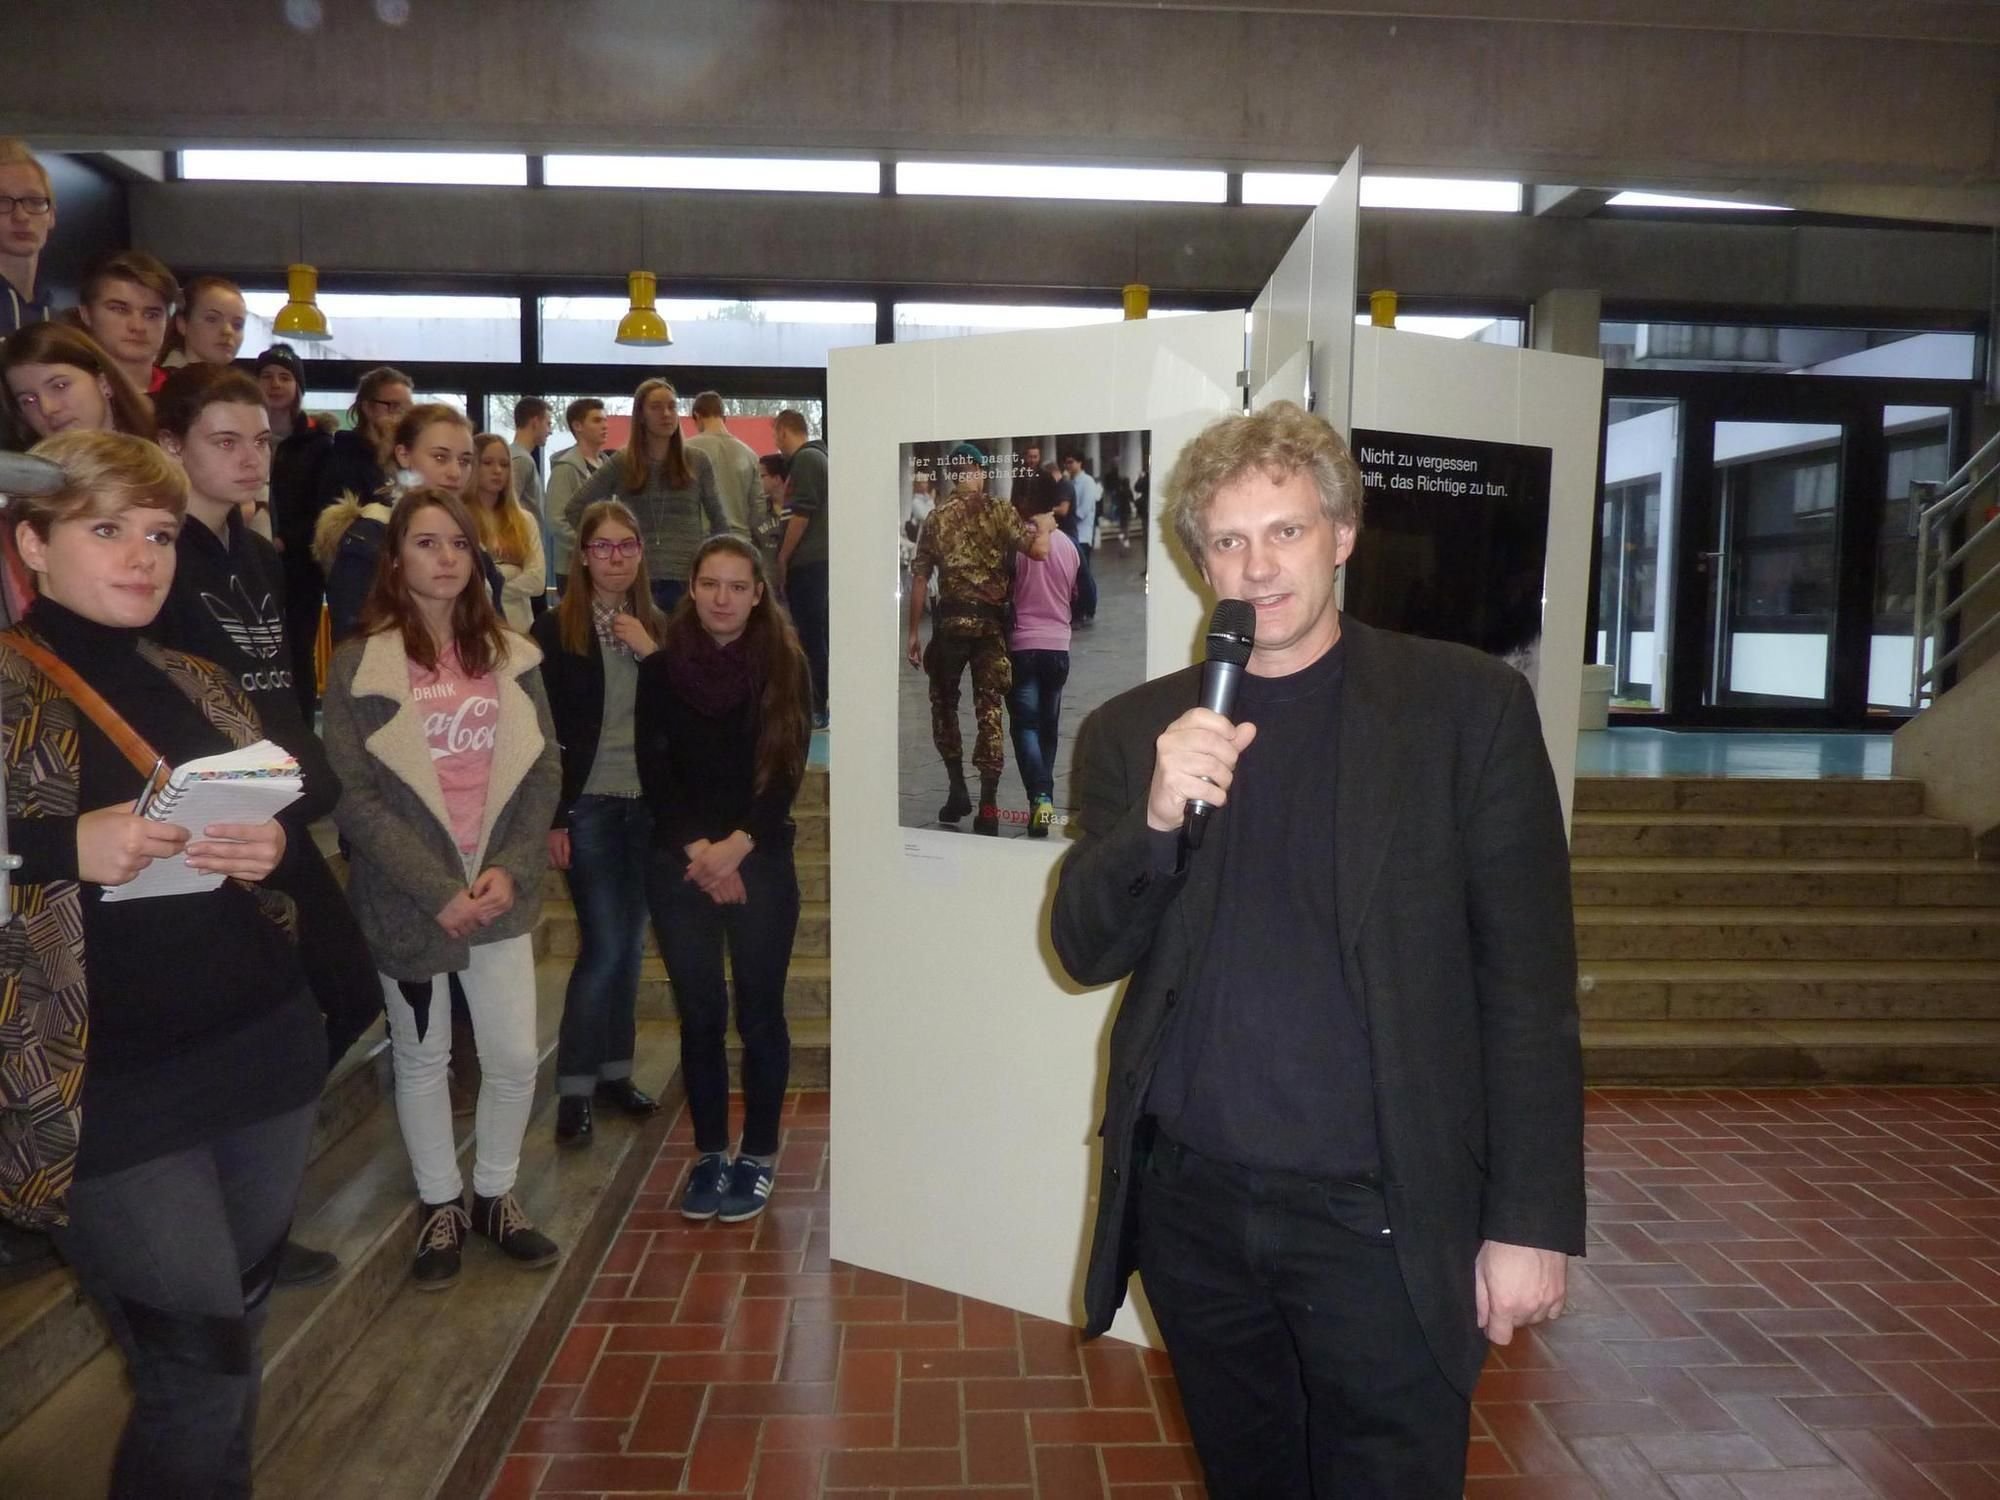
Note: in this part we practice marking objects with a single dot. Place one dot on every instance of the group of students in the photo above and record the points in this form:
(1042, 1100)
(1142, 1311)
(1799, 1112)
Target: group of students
(164, 1057)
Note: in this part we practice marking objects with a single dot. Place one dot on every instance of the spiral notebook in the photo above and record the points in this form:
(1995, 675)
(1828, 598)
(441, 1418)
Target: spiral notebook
(239, 786)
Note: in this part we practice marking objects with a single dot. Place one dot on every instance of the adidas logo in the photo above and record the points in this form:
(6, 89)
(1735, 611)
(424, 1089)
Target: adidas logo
(252, 627)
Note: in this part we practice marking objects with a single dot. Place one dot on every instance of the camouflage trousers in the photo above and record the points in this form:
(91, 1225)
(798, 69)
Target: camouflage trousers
(956, 644)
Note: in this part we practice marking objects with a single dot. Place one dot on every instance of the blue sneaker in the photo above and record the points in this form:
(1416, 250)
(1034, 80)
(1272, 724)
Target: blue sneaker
(748, 1190)
(704, 1190)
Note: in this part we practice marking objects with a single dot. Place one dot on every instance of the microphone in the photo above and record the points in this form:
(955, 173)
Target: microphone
(1232, 631)
(21, 474)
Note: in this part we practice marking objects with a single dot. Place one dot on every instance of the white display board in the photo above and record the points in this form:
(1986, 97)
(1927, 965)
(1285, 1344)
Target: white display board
(1410, 382)
(1302, 325)
(967, 1072)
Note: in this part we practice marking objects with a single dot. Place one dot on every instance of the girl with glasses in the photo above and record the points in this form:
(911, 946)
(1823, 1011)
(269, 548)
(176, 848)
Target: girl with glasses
(592, 644)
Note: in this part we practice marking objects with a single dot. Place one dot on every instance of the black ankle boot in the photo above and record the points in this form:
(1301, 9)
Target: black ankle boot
(573, 1127)
(440, 1239)
(501, 1221)
(957, 802)
(300, 1266)
(628, 1096)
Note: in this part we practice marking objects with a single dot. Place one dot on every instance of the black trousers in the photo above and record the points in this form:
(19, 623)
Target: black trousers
(178, 1252)
(806, 589)
(757, 934)
(1299, 1357)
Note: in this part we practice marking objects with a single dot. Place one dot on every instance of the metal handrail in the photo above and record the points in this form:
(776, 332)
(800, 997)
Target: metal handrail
(1938, 508)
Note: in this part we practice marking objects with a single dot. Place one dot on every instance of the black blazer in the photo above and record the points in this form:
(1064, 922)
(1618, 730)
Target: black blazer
(1452, 879)
(575, 685)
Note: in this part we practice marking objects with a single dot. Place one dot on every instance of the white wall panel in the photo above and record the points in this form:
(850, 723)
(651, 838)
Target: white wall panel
(966, 1070)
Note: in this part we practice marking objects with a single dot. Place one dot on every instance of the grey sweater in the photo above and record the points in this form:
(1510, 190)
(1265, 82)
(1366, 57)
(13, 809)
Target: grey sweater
(673, 522)
(404, 864)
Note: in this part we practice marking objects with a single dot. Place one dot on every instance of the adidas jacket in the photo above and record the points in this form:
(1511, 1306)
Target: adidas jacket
(228, 605)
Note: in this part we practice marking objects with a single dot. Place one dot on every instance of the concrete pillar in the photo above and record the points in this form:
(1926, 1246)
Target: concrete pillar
(1565, 321)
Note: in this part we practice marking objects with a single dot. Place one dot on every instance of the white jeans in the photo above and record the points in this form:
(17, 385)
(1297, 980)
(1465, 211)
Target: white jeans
(500, 993)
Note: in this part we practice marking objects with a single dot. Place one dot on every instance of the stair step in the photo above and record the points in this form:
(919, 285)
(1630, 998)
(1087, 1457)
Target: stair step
(559, 935)
(1607, 881)
(1653, 990)
(357, 1200)
(47, 1329)
(812, 795)
(1777, 933)
(1766, 836)
(1746, 1052)
(1882, 797)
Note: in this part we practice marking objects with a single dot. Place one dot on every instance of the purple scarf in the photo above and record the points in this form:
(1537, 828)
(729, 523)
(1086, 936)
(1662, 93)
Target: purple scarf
(714, 680)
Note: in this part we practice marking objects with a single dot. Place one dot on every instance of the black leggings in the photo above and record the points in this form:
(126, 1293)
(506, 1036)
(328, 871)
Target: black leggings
(179, 1253)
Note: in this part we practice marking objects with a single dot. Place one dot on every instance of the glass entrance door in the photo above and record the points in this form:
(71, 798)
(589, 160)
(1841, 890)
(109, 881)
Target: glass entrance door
(1754, 562)
(1769, 564)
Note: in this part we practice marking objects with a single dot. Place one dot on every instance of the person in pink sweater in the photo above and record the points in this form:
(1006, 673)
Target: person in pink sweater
(1038, 646)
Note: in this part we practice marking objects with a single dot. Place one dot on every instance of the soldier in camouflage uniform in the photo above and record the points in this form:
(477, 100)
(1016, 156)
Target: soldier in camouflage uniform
(970, 541)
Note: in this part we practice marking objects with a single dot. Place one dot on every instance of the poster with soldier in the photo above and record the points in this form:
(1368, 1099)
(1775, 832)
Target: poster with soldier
(1023, 606)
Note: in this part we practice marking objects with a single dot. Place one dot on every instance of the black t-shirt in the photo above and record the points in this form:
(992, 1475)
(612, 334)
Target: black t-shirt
(199, 1017)
(1267, 1061)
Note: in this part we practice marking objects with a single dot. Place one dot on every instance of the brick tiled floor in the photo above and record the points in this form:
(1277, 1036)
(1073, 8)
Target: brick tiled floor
(1790, 1294)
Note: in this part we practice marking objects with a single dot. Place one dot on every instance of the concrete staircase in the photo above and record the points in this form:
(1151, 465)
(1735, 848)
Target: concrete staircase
(370, 1387)
(1766, 930)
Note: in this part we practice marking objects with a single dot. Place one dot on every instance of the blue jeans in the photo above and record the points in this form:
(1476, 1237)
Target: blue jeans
(693, 932)
(1085, 607)
(1034, 712)
(667, 592)
(609, 842)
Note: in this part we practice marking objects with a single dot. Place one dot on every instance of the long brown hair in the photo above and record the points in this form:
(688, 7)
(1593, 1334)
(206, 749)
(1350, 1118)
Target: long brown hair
(574, 625)
(680, 473)
(59, 344)
(504, 528)
(784, 713)
(477, 631)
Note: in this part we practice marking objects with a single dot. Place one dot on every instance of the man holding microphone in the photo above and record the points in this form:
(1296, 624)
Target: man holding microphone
(1343, 1130)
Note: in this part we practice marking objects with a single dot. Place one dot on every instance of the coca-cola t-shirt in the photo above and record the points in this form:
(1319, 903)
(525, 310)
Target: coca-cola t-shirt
(461, 719)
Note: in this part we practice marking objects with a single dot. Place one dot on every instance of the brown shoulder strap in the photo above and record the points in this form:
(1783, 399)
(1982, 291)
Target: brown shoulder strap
(142, 755)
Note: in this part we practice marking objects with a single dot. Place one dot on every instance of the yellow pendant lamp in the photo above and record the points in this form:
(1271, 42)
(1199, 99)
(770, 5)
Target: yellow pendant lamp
(642, 326)
(300, 317)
